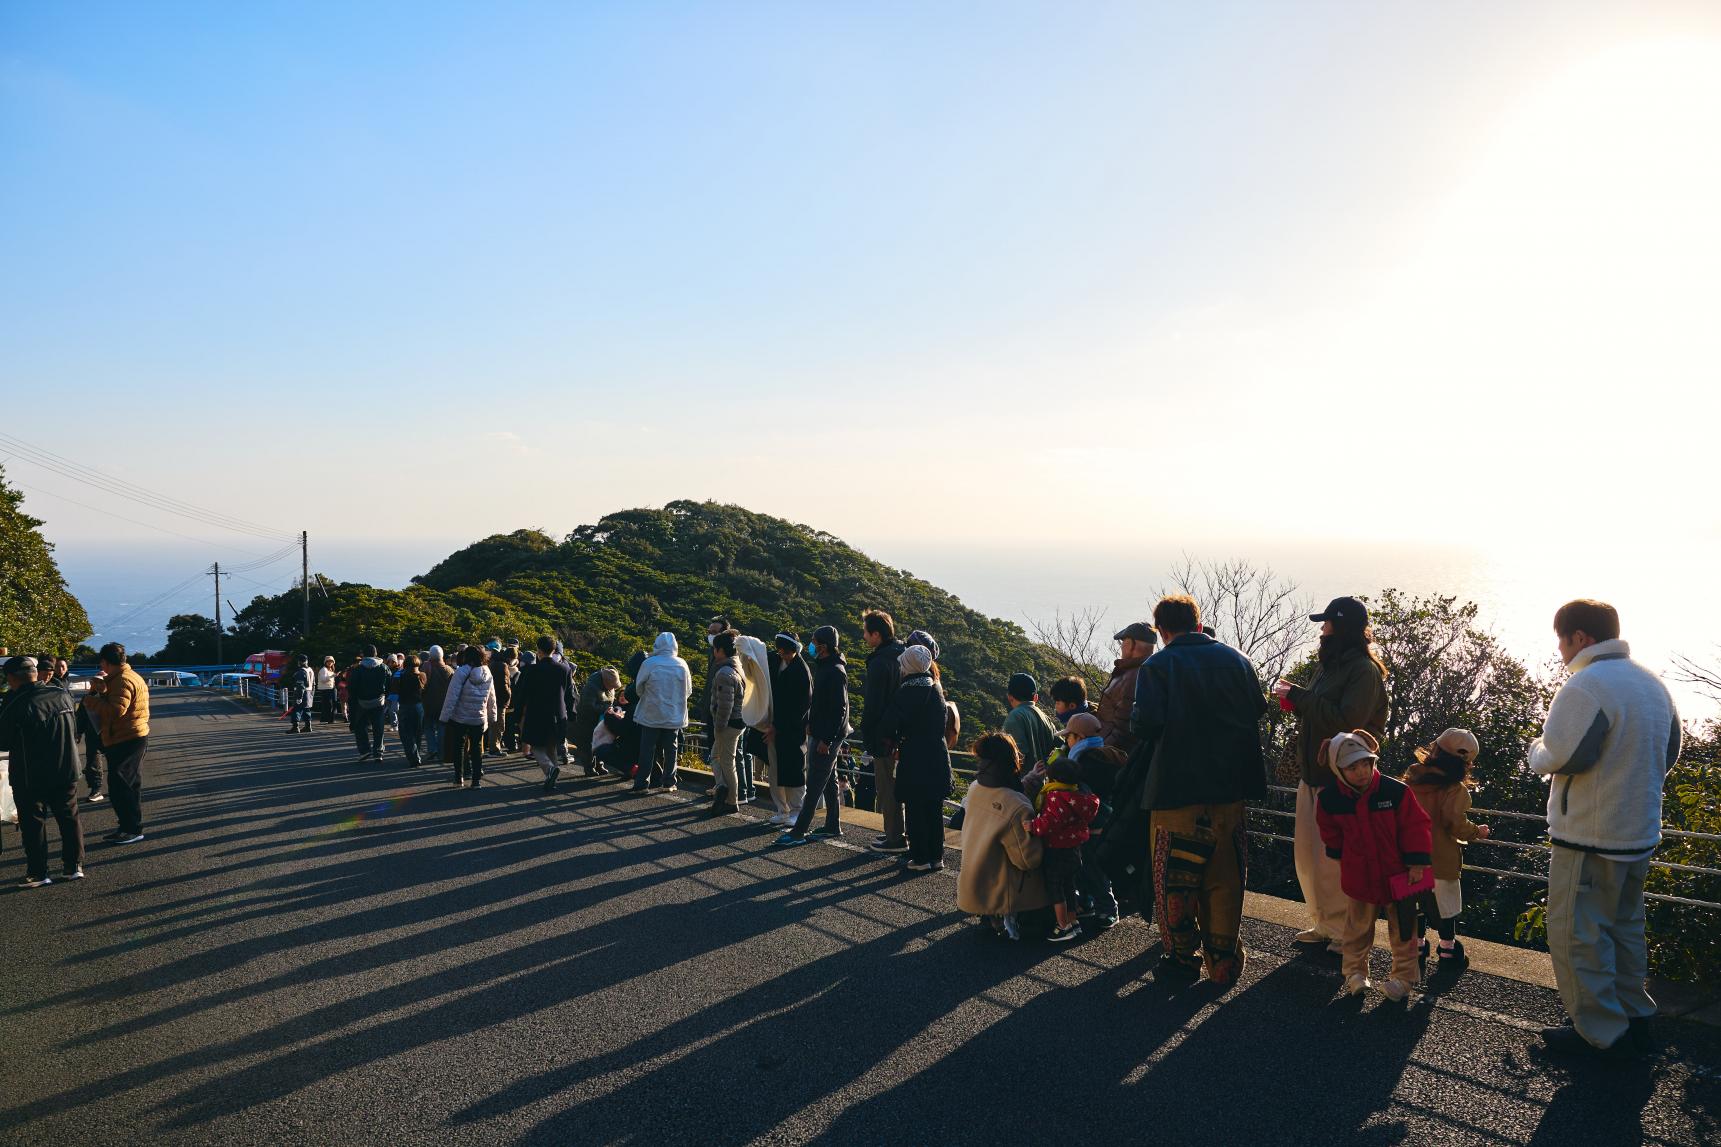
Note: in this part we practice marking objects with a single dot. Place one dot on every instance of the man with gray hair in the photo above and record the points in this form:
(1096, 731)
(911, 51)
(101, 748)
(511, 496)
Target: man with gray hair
(38, 729)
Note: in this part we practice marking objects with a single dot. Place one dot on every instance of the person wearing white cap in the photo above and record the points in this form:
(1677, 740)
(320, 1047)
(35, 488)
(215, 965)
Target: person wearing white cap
(1440, 779)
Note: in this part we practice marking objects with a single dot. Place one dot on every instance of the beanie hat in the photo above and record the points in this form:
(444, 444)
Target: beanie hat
(924, 639)
(915, 660)
(1082, 726)
(826, 637)
(436, 653)
(1022, 686)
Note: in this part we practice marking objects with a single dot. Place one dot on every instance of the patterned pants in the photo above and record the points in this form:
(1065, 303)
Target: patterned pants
(1200, 858)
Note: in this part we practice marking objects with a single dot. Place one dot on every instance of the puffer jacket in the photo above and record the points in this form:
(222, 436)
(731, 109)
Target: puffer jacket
(664, 683)
(727, 690)
(1374, 834)
(38, 727)
(471, 697)
(122, 711)
(1065, 814)
(1348, 694)
(1448, 808)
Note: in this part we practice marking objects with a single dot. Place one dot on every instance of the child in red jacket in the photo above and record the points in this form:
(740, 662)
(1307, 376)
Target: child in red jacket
(1373, 826)
(1065, 811)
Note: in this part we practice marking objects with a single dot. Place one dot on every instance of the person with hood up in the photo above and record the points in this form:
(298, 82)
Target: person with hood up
(1349, 692)
(301, 685)
(786, 735)
(468, 710)
(916, 726)
(827, 728)
(1380, 837)
(38, 729)
(1440, 780)
(664, 685)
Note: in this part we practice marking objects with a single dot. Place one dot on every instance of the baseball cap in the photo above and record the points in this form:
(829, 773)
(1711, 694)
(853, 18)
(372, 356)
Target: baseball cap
(19, 664)
(1343, 609)
(1082, 726)
(1461, 743)
(1346, 749)
(1137, 631)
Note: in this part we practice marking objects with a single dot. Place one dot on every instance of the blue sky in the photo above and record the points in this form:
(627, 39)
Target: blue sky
(523, 264)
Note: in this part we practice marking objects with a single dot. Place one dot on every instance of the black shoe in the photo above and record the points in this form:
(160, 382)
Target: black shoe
(1422, 961)
(723, 808)
(720, 795)
(1171, 970)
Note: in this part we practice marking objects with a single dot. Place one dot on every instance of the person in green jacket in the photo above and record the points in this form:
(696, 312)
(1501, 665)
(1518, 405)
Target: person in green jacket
(1030, 728)
(1349, 692)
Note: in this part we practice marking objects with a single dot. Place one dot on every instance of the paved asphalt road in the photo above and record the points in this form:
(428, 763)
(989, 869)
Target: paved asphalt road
(307, 950)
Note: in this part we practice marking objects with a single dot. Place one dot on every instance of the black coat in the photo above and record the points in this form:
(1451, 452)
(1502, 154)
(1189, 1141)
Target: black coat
(545, 693)
(1198, 709)
(916, 724)
(39, 728)
(791, 694)
(883, 674)
(828, 710)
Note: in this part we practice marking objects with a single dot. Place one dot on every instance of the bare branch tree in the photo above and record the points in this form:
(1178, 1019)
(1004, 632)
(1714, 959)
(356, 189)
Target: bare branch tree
(1074, 640)
(1706, 678)
(1252, 609)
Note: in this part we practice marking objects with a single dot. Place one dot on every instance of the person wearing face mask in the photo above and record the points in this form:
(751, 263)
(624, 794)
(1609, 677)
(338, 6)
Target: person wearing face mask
(827, 728)
(1610, 737)
(786, 735)
(1349, 692)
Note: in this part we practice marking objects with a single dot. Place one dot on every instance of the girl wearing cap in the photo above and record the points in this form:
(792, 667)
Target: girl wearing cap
(1348, 692)
(1379, 836)
(1440, 779)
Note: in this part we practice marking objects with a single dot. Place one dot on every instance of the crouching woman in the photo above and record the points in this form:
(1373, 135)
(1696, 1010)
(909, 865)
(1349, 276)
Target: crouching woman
(1000, 875)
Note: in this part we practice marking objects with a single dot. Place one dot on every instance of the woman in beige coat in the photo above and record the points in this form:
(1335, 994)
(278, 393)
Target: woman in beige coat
(1000, 873)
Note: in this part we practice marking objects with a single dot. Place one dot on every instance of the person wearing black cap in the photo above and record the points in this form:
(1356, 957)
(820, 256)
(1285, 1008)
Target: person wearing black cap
(1030, 728)
(38, 728)
(1136, 643)
(1349, 692)
(786, 736)
(827, 727)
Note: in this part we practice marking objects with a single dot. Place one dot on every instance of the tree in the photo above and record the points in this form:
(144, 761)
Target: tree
(1072, 641)
(190, 640)
(38, 613)
(1253, 610)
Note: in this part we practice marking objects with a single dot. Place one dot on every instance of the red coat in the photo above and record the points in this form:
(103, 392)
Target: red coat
(1373, 835)
(1065, 814)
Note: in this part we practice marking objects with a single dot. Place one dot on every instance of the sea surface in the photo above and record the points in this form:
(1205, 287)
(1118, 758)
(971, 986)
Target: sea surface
(1666, 601)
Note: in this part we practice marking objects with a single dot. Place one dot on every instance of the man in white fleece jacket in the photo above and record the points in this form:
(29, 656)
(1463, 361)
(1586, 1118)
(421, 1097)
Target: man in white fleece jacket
(1610, 737)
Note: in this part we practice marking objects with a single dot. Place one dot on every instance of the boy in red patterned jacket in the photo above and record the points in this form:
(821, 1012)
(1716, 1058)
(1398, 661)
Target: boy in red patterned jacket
(1381, 837)
(1065, 810)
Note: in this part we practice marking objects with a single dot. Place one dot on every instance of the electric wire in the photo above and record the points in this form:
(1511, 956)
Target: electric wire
(123, 518)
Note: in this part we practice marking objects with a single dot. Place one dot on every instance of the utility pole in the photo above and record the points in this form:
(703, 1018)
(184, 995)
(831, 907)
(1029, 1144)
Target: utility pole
(305, 583)
(218, 660)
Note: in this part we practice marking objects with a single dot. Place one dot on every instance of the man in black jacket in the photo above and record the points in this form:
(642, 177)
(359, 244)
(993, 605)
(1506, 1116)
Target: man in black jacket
(1198, 708)
(38, 728)
(883, 675)
(367, 694)
(786, 737)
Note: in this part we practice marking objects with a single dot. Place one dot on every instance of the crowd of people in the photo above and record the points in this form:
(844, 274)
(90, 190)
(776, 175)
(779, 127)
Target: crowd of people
(1132, 801)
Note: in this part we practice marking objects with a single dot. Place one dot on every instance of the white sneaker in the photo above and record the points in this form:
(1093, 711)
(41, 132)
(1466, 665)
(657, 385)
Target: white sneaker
(1355, 984)
(1313, 936)
(1395, 990)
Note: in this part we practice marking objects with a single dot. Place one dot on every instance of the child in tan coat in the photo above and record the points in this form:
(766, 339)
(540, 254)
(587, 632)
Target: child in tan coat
(1441, 781)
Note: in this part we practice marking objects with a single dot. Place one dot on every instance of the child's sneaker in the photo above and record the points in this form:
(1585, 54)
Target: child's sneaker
(1453, 960)
(1067, 932)
(1355, 984)
(1395, 990)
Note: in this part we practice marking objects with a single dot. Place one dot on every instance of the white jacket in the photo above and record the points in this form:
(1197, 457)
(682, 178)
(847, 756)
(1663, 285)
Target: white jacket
(471, 697)
(1610, 737)
(664, 683)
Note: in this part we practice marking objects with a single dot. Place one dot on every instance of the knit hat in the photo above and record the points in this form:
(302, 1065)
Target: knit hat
(1347, 749)
(1022, 686)
(1460, 743)
(1082, 726)
(826, 637)
(924, 639)
(915, 660)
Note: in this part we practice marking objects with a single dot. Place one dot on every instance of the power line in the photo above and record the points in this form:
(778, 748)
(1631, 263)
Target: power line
(123, 518)
(152, 602)
(119, 488)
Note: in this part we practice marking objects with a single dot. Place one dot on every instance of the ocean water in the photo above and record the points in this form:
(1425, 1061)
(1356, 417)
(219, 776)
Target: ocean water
(1665, 609)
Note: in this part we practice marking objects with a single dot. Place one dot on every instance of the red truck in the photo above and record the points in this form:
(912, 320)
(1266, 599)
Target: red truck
(268, 665)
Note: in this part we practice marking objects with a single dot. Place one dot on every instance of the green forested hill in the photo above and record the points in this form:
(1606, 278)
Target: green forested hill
(609, 588)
